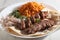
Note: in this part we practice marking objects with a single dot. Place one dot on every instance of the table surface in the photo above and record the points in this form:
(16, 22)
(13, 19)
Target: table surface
(5, 3)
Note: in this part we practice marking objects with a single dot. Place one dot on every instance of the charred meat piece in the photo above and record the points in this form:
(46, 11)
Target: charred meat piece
(32, 19)
(28, 22)
(52, 22)
(43, 24)
(33, 29)
(20, 25)
(43, 14)
(49, 23)
(46, 24)
(29, 30)
(38, 26)
(17, 25)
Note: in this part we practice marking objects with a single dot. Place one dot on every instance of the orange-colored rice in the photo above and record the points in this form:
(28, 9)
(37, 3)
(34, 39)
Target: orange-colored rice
(30, 8)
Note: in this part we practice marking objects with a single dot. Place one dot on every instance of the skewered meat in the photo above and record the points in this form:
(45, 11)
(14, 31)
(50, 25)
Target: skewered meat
(44, 24)
(30, 26)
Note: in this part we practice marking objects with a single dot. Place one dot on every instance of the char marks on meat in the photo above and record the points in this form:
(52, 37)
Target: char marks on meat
(32, 18)
(28, 22)
(29, 26)
(43, 14)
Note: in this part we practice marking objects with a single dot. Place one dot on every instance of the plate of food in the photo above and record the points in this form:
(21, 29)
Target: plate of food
(29, 20)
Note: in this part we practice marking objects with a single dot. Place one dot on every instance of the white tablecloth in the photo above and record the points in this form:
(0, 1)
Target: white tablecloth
(54, 3)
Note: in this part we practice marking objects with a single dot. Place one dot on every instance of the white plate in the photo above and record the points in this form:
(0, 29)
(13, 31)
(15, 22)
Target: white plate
(10, 8)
